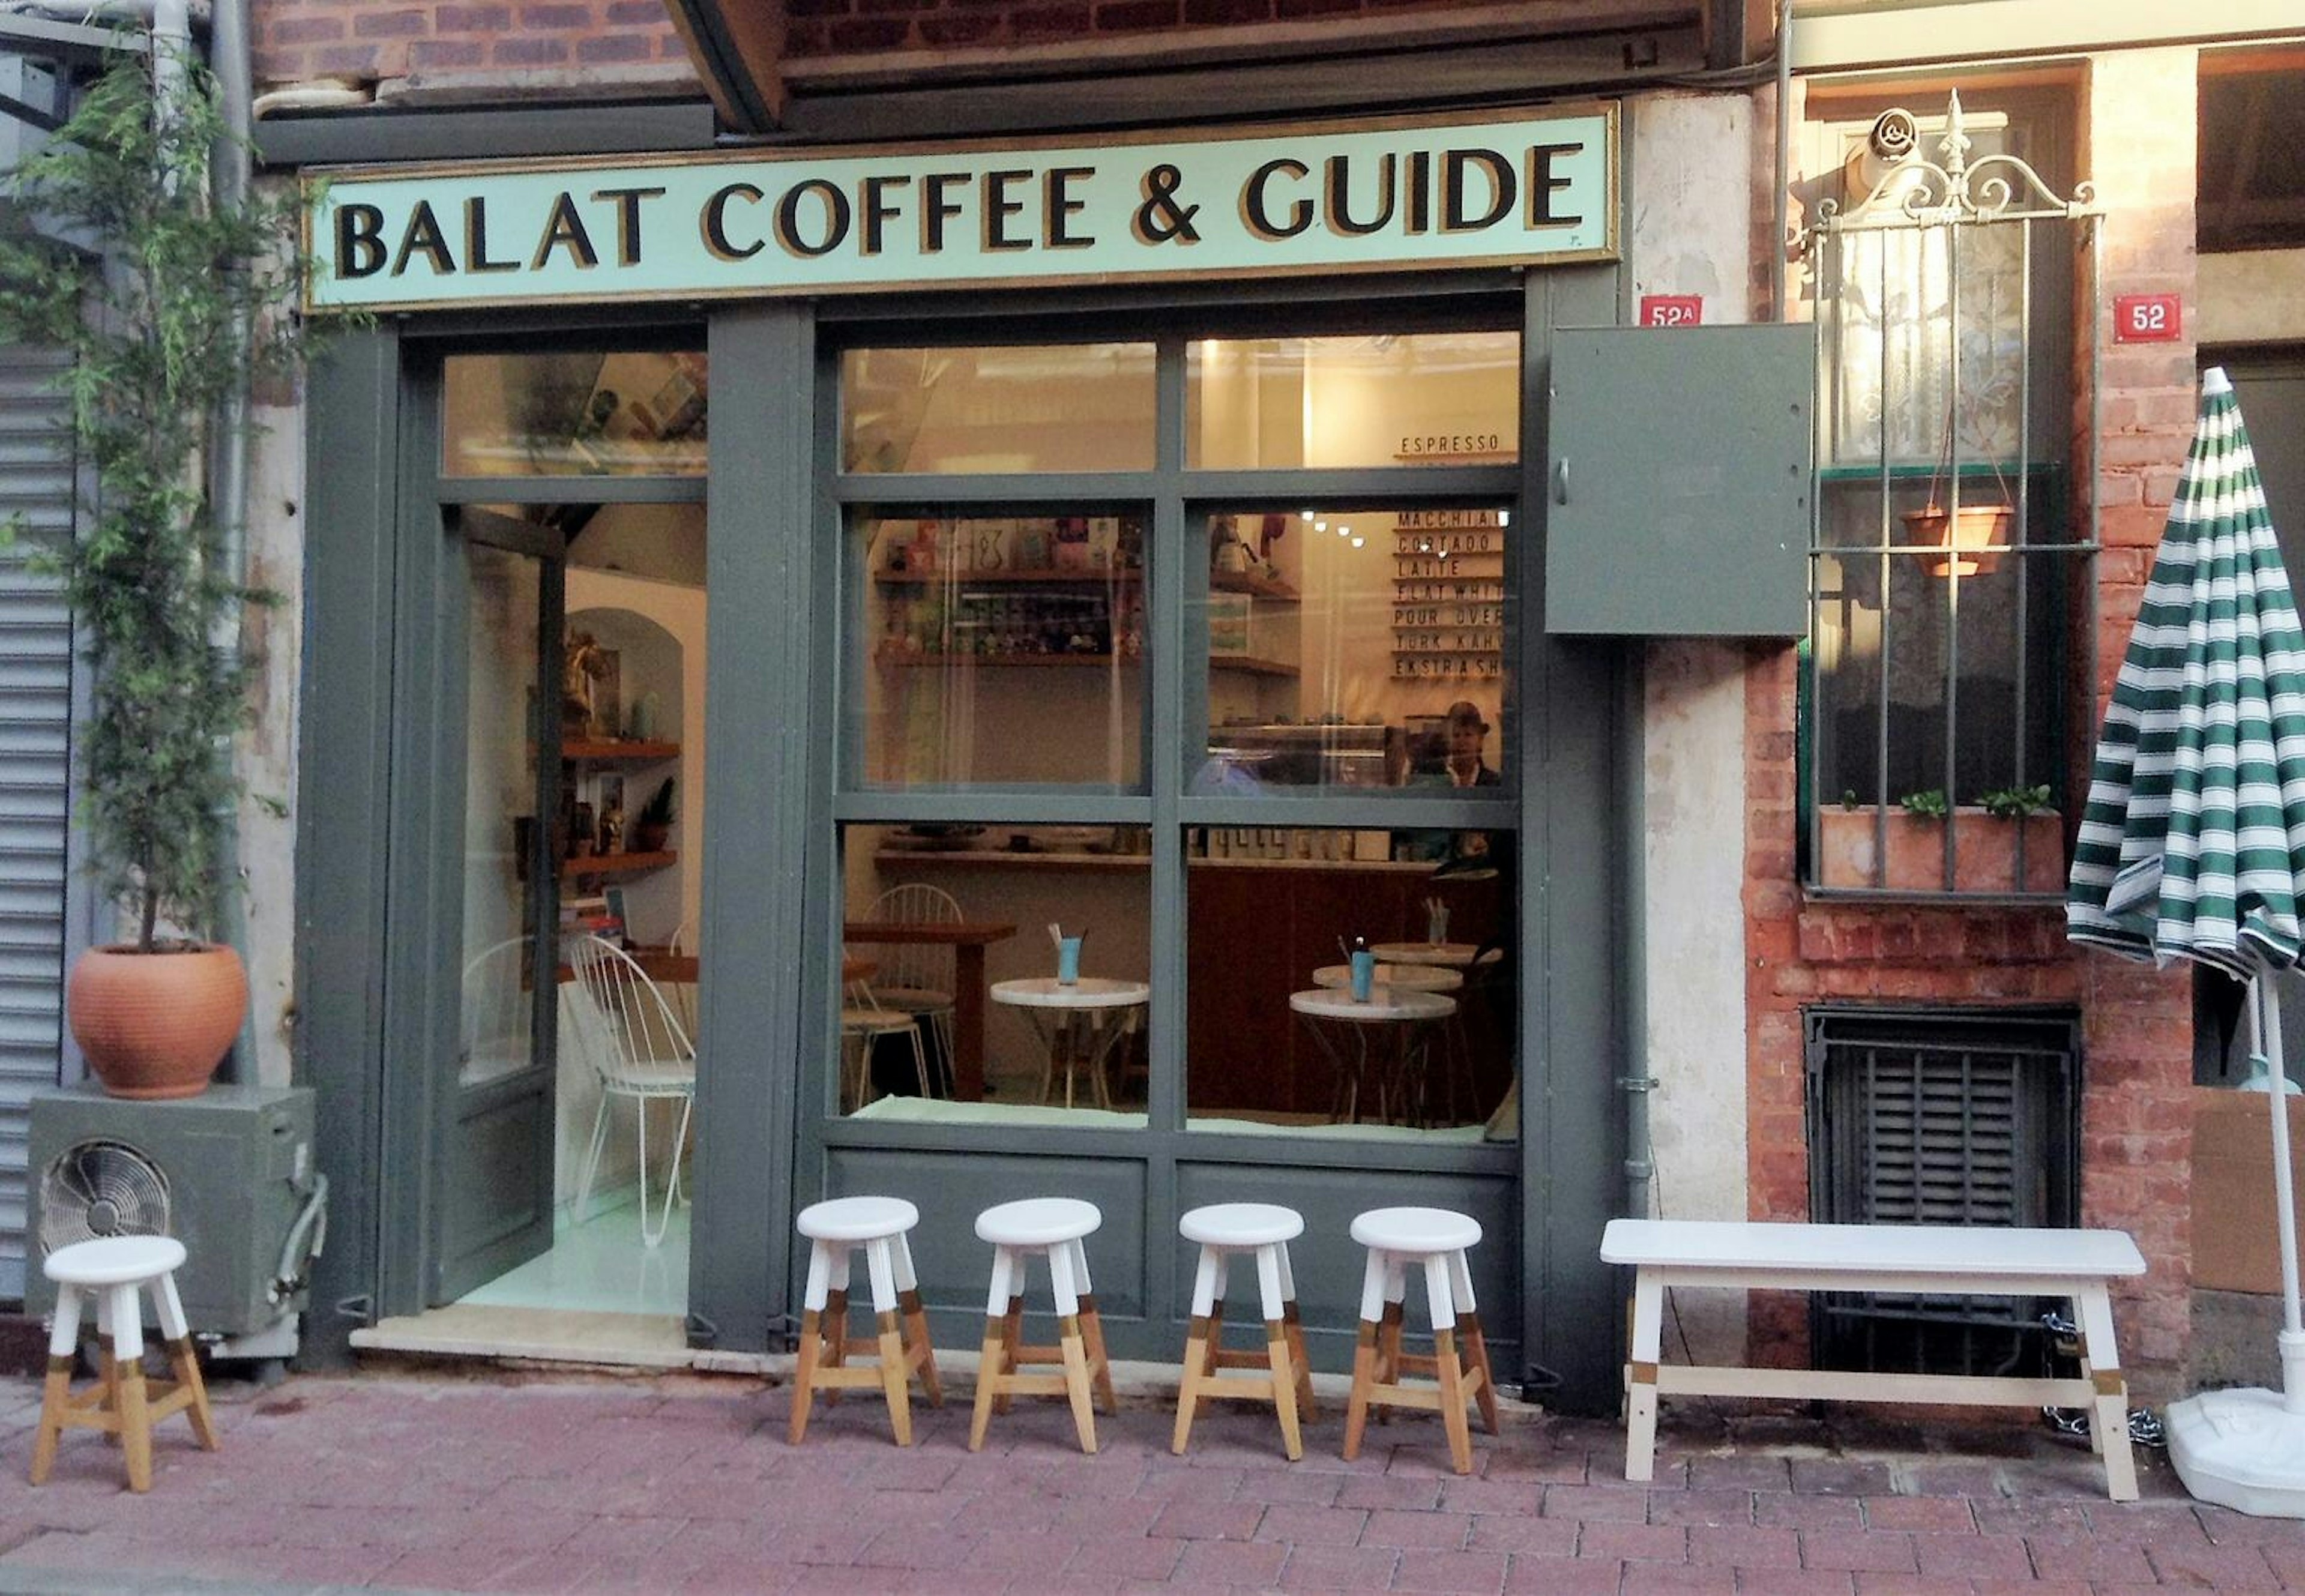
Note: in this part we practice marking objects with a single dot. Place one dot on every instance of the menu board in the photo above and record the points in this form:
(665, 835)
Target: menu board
(1448, 595)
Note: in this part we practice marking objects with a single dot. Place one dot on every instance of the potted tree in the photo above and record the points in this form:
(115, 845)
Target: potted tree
(163, 311)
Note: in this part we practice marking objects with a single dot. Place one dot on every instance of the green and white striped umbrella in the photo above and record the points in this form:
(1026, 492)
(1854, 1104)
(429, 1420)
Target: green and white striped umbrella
(2192, 845)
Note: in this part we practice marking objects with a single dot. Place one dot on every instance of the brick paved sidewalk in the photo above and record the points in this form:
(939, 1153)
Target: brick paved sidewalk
(686, 1483)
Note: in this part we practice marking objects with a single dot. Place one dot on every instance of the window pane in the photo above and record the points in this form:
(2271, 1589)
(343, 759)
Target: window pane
(1077, 407)
(593, 412)
(947, 946)
(497, 1033)
(1000, 650)
(1276, 1040)
(1356, 648)
(1996, 746)
(1420, 398)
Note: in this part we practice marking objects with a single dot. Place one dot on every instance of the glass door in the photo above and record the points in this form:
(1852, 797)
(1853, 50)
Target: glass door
(494, 1168)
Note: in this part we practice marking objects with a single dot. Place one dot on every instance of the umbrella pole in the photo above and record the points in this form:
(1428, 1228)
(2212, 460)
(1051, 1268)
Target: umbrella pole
(2264, 1022)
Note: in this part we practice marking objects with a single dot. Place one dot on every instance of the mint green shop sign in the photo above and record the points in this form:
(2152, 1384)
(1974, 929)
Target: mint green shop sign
(1485, 188)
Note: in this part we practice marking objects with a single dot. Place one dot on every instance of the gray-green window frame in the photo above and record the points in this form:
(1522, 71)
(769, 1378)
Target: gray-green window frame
(768, 792)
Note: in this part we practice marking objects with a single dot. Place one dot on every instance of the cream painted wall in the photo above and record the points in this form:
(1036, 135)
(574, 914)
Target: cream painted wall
(2250, 296)
(265, 753)
(1691, 233)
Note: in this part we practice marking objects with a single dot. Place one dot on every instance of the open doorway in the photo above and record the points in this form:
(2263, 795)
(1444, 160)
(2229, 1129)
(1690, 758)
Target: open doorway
(571, 681)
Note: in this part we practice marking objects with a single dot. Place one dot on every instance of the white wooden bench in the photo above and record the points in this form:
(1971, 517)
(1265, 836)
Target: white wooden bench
(1934, 1259)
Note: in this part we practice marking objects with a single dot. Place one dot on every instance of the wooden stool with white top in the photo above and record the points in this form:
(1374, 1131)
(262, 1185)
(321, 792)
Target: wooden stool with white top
(113, 1270)
(1437, 1239)
(1052, 1227)
(1265, 1229)
(835, 1229)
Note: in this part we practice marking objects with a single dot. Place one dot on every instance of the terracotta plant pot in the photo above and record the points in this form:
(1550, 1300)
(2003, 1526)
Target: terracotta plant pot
(1984, 849)
(1976, 533)
(156, 1025)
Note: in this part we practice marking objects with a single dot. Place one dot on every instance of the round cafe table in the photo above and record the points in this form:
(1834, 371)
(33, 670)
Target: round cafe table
(1405, 977)
(1455, 956)
(1332, 1017)
(1078, 1024)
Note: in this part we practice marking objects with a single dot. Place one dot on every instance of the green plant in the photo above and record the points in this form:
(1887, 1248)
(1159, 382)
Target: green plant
(1849, 799)
(1928, 805)
(2014, 803)
(658, 811)
(182, 306)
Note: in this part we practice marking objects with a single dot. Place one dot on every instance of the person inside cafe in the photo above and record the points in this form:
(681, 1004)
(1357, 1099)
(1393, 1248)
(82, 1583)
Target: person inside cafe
(1464, 730)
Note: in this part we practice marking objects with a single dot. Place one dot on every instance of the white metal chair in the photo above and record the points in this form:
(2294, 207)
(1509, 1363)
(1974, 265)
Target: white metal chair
(683, 993)
(917, 979)
(641, 1051)
(863, 1021)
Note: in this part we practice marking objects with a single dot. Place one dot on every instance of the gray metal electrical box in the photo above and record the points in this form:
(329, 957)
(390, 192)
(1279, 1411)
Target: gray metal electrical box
(228, 1173)
(1678, 481)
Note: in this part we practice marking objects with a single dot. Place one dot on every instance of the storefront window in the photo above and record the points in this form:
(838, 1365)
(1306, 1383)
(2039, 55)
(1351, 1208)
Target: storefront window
(1410, 399)
(1000, 650)
(590, 412)
(1000, 683)
(1356, 648)
(1279, 1037)
(952, 1003)
(1062, 408)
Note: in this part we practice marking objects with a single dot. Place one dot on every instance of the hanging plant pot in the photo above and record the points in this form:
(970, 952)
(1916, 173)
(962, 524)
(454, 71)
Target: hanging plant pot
(1976, 533)
(156, 1025)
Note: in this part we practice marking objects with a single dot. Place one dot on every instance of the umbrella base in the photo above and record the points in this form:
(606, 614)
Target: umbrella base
(2240, 1449)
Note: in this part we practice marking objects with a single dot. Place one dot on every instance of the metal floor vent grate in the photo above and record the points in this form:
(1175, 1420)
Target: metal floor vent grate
(1939, 1118)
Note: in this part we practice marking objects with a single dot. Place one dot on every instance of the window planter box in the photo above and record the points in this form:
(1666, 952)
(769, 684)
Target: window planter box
(1985, 848)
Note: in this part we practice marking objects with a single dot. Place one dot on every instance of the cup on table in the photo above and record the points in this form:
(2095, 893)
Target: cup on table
(1436, 924)
(1067, 959)
(1363, 975)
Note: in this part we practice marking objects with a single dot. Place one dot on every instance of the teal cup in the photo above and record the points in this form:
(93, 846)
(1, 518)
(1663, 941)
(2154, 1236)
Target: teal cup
(1067, 959)
(1363, 976)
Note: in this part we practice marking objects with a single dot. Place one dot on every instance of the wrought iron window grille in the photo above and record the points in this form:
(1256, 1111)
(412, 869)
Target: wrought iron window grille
(1947, 595)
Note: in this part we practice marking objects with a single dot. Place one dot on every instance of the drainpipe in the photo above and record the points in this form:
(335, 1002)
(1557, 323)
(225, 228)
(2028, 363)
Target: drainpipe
(228, 176)
(1779, 212)
(1633, 933)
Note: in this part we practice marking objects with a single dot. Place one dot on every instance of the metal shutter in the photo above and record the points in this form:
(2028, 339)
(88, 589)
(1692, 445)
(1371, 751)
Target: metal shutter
(1939, 1118)
(37, 476)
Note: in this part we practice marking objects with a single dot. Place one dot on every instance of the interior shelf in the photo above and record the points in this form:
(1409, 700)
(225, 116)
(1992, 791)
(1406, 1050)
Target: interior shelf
(913, 661)
(1262, 586)
(617, 865)
(606, 752)
(1053, 577)
(908, 857)
(1251, 665)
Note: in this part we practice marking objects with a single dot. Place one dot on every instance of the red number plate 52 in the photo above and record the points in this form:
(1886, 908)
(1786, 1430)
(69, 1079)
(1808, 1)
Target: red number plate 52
(2148, 319)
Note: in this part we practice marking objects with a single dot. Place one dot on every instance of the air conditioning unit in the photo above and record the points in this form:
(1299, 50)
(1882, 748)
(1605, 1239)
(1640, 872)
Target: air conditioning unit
(228, 1173)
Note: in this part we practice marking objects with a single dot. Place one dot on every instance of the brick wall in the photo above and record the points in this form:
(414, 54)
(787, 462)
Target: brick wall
(506, 41)
(2136, 1106)
(2137, 1124)
(551, 43)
